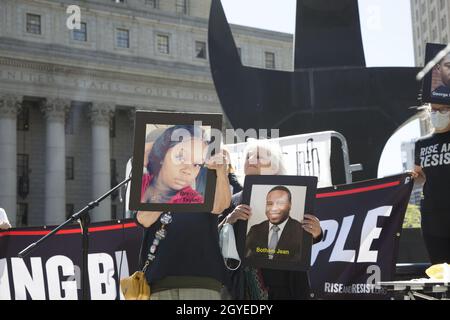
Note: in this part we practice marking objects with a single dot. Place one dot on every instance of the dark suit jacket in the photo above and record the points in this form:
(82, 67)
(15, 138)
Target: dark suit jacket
(289, 243)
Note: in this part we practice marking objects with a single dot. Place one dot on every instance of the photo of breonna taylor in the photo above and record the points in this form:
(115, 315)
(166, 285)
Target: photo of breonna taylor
(279, 236)
(175, 170)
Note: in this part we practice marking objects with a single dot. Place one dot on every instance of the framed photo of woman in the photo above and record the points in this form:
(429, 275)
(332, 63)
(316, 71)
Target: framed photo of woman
(170, 151)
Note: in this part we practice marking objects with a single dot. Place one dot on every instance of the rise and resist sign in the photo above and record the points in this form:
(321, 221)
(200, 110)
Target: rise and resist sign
(362, 226)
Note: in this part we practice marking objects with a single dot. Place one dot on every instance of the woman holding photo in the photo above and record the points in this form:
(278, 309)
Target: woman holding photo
(262, 158)
(188, 263)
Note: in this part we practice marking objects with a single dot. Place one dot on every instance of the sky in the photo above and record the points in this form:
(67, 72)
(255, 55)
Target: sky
(387, 39)
(385, 24)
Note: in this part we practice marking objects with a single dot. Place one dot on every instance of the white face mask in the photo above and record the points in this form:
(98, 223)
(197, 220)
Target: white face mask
(228, 245)
(440, 120)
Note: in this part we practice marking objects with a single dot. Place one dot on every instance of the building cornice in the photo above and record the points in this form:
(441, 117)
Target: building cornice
(44, 79)
(78, 71)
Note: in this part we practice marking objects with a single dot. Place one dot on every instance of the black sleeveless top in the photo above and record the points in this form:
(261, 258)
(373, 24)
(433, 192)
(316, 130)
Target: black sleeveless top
(190, 249)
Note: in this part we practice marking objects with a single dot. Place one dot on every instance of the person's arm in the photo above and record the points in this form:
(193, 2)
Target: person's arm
(222, 197)
(417, 173)
(147, 218)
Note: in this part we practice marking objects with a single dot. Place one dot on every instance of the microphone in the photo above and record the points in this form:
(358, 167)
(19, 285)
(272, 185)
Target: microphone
(128, 168)
(22, 254)
(120, 193)
(127, 186)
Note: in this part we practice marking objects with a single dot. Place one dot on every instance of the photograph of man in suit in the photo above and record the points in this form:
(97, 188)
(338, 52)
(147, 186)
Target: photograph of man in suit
(443, 72)
(279, 237)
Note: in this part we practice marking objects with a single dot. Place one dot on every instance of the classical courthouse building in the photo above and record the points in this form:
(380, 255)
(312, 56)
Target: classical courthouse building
(68, 97)
(430, 23)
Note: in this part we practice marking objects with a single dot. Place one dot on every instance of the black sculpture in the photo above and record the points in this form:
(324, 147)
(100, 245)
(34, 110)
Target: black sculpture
(330, 89)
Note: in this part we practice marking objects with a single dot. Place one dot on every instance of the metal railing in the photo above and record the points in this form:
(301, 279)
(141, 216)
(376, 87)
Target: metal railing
(349, 168)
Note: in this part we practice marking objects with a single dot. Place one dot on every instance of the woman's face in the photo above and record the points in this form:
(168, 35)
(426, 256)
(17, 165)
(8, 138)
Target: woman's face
(440, 117)
(259, 162)
(182, 163)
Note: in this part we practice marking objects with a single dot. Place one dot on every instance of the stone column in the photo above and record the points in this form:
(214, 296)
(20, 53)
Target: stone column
(54, 111)
(101, 115)
(9, 107)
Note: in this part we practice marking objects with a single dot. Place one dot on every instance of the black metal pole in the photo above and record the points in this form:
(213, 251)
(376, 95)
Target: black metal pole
(83, 216)
(84, 224)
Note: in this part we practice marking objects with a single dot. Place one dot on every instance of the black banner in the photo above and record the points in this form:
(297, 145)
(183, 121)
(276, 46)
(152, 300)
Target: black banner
(52, 270)
(362, 224)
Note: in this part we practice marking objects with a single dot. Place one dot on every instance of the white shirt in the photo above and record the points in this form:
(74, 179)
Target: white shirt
(281, 226)
(4, 222)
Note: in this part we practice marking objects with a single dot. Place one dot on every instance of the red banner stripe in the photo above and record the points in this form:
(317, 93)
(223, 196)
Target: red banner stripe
(357, 190)
(70, 231)
(132, 225)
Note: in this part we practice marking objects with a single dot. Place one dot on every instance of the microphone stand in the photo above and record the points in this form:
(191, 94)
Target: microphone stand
(83, 218)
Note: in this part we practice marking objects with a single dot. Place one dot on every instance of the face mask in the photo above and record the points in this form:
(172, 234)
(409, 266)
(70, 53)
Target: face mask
(440, 120)
(227, 243)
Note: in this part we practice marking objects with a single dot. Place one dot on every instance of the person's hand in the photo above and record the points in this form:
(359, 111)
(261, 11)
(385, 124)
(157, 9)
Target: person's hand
(241, 212)
(418, 175)
(311, 224)
(219, 163)
(413, 174)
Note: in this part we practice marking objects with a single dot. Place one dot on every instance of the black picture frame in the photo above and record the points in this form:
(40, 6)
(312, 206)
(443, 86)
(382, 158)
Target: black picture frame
(301, 260)
(432, 80)
(144, 118)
